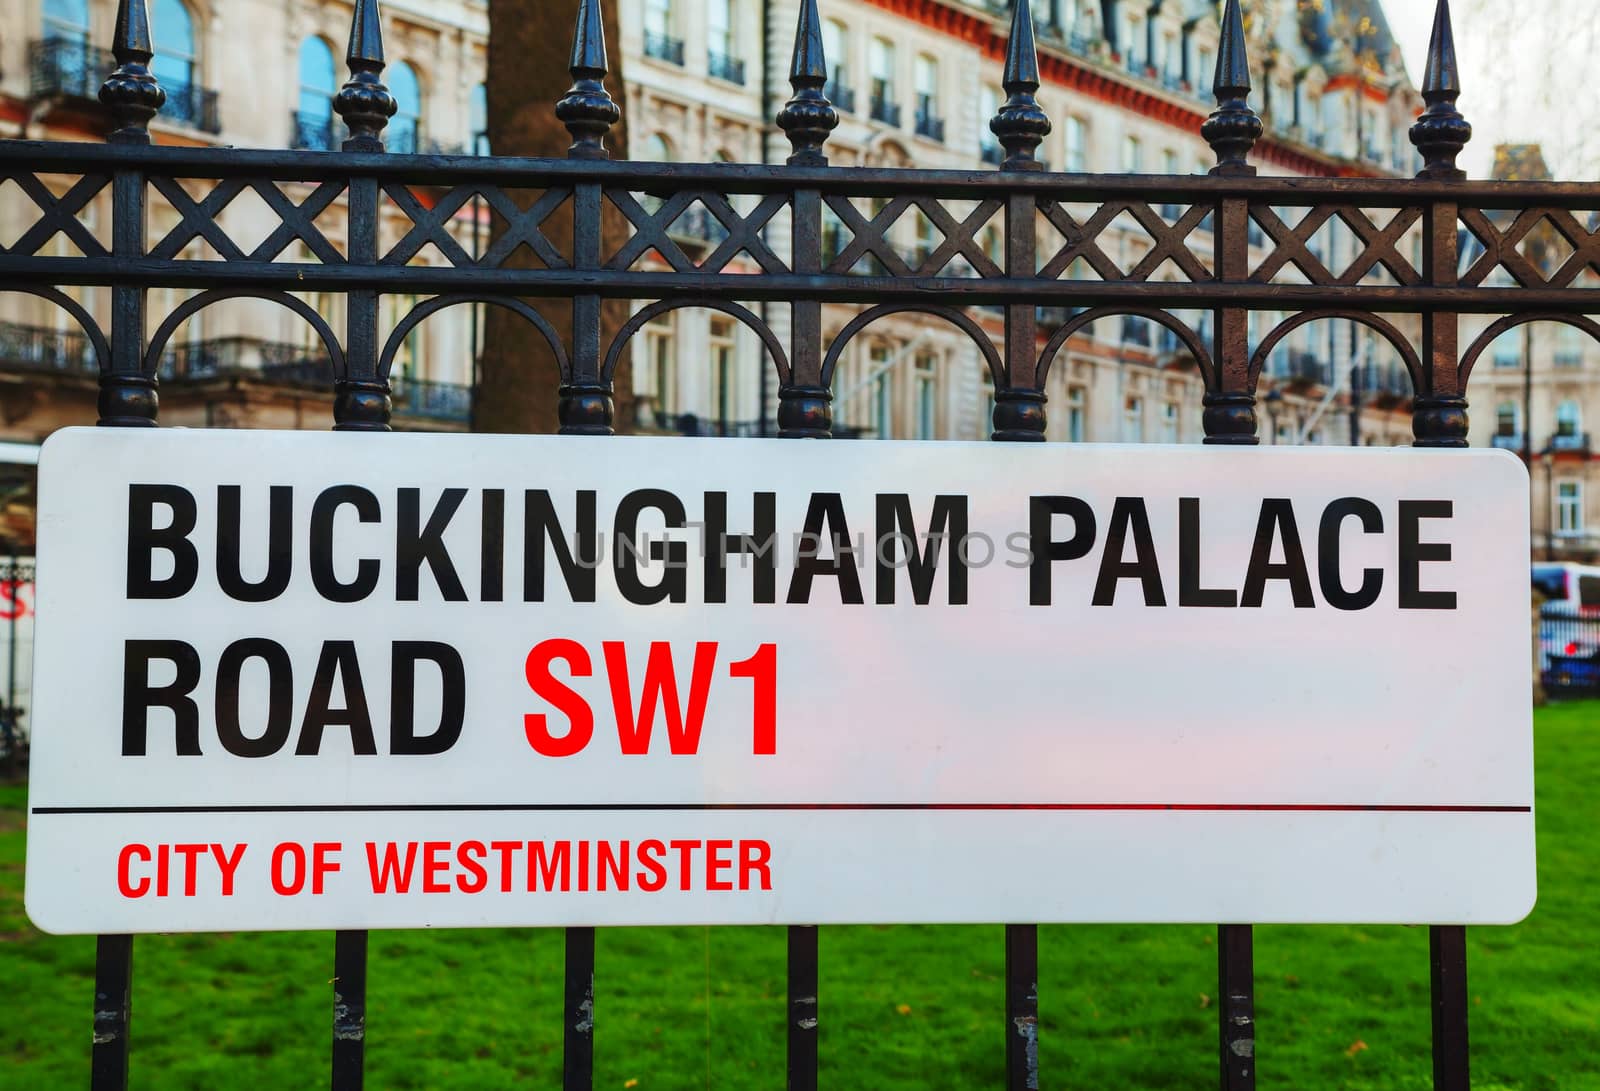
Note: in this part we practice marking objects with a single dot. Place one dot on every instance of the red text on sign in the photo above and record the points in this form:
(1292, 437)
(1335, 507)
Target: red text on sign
(682, 708)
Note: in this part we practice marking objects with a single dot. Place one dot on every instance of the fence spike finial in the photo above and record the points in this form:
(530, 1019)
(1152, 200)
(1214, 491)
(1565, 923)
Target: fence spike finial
(1440, 132)
(808, 117)
(131, 93)
(1233, 127)
(587, 109)
(1020, 123)
(364, 101)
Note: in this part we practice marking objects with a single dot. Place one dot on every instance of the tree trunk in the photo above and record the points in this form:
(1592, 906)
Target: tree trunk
(529, 46)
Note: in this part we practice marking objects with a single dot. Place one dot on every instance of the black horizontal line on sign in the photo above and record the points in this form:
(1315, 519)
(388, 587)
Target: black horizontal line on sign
(291, 808)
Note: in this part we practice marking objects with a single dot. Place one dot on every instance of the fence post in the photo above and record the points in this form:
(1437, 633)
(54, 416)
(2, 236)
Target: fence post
(361, 404)
(1019, 416)
(805, 412)
(584, 408)
(127, 398)
(1230, 418)
(1439, 419)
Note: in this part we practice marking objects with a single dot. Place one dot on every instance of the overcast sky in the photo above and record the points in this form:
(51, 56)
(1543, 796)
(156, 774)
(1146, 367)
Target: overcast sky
(1527, 69)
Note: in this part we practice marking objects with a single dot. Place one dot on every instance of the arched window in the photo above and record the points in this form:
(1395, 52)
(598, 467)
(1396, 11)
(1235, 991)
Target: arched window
(314, 111)
(404, 132)
(174, 64)
(66, 20)
(478, 117)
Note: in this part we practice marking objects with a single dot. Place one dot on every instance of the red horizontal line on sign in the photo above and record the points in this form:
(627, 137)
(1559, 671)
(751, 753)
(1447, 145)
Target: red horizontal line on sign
(290, 808)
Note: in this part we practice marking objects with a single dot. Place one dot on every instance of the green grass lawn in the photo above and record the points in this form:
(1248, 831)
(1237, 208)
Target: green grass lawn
(911, 1007)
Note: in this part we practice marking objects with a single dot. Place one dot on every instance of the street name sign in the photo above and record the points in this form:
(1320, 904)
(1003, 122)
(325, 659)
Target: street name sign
(298, 680)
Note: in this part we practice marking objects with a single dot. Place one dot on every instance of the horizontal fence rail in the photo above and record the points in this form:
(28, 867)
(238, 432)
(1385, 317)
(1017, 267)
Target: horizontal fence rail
(1029, 245)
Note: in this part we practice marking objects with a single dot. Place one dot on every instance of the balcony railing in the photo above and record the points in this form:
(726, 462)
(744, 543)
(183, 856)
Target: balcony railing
(1306, 367)
(35, 349)
(991, 152)
(842, 97)
(885, 111)
(663, 47)
(1569, 358)
(432, 400)
(313, 132)
(724, 67)
(1570, 441)
(1135, 331)
(75, 70)
(1506, 441)
(1385, 381)
(930, 126)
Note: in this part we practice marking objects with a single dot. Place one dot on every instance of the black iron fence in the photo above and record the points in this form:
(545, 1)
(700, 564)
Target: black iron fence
(1416, 305)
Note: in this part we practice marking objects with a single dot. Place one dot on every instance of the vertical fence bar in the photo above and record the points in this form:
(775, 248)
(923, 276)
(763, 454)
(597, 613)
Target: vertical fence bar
(577, 1037)
(127, 398)
(805, 412)
(802, 1036)
(349, 1009)
(1230, 418)
(585, 408)
(113, 1010)
(1439, 419)
(361, 404)
(1019, 416)
(1236, 1006)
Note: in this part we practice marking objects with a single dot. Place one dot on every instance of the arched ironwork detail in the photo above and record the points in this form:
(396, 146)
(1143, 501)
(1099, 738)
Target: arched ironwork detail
(1382, 326)
(1511, 322)
(438, 303)
(91, 330)
(1190, 339)
(780, 359)
(960, 321)
(164, 332)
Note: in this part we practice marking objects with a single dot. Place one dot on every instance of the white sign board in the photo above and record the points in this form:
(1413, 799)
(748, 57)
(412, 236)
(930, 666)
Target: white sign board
(297, 680)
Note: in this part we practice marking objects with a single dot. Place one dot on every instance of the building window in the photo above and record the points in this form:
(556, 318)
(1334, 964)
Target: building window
(1075, 397)
(1169, 422)
(1132, 420)
(1077, 137)
(880, 60)
(174, 62)
(1569, 507)
(835, 46)
(1508, 349)
(722, 52)
(661, 369)
(314, 113)
(989, 149)
(659, 39)
(927, 391)
(929, 123)
(1569, 347)
(1569, 420)
(404, 132)
(723, 376)
(478, 119)
(1132, 155)
(880, 392)
(1508, 419)
(66, 20)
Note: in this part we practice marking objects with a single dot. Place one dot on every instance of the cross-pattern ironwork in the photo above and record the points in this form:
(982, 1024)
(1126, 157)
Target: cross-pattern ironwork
(1209, 245)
